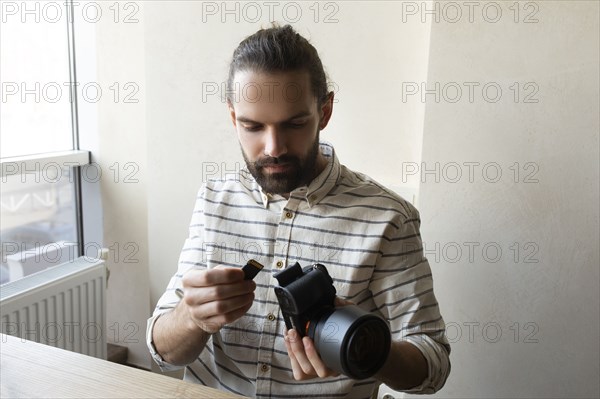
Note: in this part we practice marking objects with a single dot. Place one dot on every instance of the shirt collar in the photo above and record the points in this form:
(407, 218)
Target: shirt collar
(320, 186)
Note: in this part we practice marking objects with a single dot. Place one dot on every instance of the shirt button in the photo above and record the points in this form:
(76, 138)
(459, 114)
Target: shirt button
(288, 215)
(271, 317)
(279, 264)
(264, 368)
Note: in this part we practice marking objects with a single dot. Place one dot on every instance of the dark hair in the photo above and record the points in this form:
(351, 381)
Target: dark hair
(279, 49)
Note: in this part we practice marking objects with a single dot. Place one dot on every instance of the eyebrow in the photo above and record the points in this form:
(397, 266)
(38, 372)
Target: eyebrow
(298, 115)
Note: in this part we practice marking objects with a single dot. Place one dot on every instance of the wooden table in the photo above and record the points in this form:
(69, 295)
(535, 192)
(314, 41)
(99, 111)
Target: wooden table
(32, 370)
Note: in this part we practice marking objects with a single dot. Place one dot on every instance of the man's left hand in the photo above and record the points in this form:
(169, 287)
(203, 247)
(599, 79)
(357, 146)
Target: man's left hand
(306, 362)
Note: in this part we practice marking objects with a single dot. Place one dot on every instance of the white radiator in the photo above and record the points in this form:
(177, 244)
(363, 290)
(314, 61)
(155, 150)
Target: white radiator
(62, 306)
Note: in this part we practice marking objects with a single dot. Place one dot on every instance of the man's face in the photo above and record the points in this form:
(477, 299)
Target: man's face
(278, 120)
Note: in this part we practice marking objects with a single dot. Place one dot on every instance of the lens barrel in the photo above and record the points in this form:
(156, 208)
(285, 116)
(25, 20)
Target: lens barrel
(351, 340)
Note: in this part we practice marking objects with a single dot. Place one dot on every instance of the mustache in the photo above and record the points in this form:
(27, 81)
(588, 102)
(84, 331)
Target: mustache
(267, 161)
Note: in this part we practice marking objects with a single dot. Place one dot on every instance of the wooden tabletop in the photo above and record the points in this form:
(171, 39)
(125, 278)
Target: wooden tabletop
(32, 370)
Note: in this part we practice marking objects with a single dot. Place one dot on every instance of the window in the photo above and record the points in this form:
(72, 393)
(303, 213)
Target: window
(34, 63)
(40, 220)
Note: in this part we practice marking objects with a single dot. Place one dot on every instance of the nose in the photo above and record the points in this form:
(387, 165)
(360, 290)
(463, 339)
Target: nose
(275, 145)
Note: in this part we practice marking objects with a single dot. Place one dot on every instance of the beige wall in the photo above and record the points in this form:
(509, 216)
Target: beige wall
(524, 322)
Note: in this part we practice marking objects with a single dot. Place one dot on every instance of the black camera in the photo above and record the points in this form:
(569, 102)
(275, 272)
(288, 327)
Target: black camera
(349, 340)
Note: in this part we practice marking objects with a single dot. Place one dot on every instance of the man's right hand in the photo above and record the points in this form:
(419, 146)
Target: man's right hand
(211, 299)
(215, 297)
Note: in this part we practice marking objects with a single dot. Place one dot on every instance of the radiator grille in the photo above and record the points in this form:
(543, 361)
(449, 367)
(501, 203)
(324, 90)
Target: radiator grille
(62, 306)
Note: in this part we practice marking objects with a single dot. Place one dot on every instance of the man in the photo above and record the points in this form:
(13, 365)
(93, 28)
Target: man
(295, 203)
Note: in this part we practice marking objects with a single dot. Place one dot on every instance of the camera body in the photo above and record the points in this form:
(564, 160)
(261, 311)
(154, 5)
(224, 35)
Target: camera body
(349, 340)
(304, 294)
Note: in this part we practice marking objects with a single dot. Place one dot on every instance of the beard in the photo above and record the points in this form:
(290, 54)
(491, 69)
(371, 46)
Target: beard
(299, 171)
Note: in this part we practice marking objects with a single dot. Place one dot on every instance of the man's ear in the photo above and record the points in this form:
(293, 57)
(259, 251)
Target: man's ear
(231, 113)
(326, 111)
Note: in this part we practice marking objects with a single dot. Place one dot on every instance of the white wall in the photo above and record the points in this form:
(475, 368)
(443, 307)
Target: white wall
(121, 154)
(557, 353)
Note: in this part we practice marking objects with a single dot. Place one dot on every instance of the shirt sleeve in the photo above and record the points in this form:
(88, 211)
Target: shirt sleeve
(192, 257)
(402, 289)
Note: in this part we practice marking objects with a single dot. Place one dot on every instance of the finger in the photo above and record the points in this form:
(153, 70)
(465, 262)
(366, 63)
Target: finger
(199, 295)
(216, 322)
(296, 369)
(208, 278)
(298, 349)
(315, 360)
(223, 307)
(212, 324)
(342, 302)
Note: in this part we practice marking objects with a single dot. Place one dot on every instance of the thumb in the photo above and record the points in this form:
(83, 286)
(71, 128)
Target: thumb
(342, 302)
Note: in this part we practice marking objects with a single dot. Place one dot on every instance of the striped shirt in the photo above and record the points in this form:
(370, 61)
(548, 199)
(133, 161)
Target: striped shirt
(366, 236)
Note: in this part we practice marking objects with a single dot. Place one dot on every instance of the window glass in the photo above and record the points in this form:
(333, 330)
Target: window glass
(37, 222)
(34, 73)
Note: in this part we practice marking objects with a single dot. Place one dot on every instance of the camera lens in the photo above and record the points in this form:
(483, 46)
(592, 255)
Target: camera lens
(367, 346)
(351, 341)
